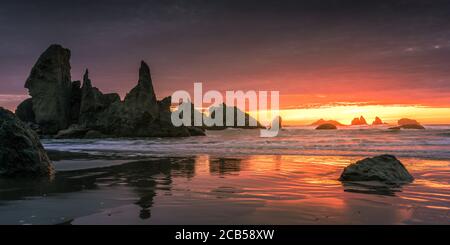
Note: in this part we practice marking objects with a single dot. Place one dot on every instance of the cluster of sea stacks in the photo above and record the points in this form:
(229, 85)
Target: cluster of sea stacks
(403, 123)
(64, 108)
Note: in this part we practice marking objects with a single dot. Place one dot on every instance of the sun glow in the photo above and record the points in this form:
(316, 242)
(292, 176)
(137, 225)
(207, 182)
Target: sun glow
(345, 114)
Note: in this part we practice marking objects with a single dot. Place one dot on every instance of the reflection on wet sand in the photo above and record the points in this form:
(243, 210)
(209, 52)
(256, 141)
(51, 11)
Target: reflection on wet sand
(226, 190)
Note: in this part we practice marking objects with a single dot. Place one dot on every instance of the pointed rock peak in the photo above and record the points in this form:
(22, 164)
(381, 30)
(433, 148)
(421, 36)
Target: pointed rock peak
(86, 75)
(362, 120)
(56, 49)
(86, 80)
(377, 121)
(144, 74)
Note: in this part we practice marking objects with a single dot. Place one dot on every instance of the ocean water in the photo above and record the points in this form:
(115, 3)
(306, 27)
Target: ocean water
(235, 177)
(433, 143)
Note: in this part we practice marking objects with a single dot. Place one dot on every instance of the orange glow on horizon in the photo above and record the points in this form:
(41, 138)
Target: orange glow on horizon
(345, 114)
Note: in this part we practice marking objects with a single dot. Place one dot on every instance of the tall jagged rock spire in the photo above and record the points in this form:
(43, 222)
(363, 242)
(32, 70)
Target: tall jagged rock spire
(50, 85)
(86, 80)
(142, 96)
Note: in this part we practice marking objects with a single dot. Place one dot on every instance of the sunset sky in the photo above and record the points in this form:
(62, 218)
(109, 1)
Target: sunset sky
(329, 59)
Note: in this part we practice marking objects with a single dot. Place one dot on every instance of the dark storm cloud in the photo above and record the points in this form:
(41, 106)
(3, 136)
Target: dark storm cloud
(234, 44)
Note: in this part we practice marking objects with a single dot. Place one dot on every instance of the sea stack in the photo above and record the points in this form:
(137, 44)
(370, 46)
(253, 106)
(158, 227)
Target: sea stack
(50, 86)
(322, 121)
(406, 123)
(64, 109)
(142, 98)
(359, 121)
(377, 121)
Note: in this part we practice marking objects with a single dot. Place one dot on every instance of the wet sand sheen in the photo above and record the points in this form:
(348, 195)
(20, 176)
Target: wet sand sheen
(255, 189)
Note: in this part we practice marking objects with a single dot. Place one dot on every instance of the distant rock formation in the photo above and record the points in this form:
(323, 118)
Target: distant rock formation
(326, 126)
(407, 121)
(58, 103)
(359, 121)
(249, 121)
(322, 121)
(384, 168)
(50, 86)
(21, 152)
(377, 121)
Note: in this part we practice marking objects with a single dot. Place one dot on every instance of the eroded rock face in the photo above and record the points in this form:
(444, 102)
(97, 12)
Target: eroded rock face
(93, 103)
(142, 99)
(75, 102)
(24, 111)
(326, 126)
(21, 152)
(384, 168)
(57, 103)
(50, 86)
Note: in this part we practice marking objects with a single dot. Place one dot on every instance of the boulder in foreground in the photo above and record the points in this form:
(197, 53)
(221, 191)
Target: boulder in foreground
(383, 168)
(326, 126)
(21, 152)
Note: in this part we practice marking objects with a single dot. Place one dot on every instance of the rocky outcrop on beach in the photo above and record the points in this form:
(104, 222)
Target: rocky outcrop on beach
(322, 121)
(377, 121)
(383, 168)
(50, 86)
(359, 121)
(21, 152)
(70, 110)
(326, 126)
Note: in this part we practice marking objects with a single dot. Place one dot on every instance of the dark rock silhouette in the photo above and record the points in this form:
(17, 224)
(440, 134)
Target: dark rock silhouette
(326, 126)
(384, 168)
(248, 121)
(21, 152)
(57, 103)
(24, 111)
(142, 99)
(322, 121)
(359, 121)
(75, 102)
(50, 86)
(377, 121)
(93, 102)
